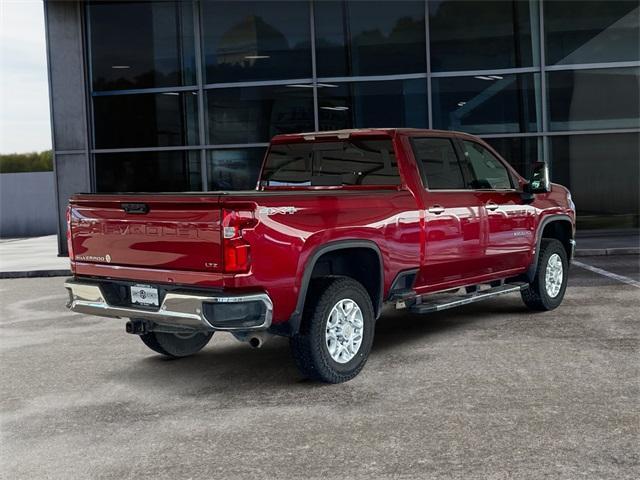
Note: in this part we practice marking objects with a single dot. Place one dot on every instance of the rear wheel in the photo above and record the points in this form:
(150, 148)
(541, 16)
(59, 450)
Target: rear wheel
(176, 344)
(337, 329)
(546, 291)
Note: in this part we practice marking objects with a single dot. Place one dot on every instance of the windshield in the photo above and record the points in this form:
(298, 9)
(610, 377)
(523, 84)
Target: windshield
(350, 162)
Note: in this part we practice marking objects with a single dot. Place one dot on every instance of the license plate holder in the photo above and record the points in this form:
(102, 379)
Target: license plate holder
(144, 295)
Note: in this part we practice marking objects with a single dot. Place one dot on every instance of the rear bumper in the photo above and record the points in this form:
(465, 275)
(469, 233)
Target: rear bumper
(179, 311)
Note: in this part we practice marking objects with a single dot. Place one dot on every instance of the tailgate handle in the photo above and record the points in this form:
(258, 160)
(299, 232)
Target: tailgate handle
(139, 208)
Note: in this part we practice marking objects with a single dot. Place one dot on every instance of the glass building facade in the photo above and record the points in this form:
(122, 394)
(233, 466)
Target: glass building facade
(185, 95)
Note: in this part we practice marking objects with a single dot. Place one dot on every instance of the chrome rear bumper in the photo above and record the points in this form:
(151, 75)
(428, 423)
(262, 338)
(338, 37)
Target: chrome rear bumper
(178, 311)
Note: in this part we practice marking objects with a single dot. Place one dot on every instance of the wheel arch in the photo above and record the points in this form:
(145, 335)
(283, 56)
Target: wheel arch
(557, 226)
(342, 255)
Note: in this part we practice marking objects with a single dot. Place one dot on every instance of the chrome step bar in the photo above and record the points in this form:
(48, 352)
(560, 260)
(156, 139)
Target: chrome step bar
(425, 306)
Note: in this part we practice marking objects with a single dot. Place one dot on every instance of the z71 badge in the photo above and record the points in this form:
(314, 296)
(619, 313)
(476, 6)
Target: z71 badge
(277, 210)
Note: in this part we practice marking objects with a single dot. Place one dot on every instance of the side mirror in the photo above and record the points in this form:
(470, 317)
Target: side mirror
(539, 182)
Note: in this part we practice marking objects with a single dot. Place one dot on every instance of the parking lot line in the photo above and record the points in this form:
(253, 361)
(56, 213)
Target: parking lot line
(600, 271)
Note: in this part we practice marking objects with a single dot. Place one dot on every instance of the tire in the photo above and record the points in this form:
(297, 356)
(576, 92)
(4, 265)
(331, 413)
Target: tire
(176, 345)
(544, 293)
(318, 352)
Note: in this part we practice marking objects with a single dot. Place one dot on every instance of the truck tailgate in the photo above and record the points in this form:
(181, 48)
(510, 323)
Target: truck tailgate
(176, 232)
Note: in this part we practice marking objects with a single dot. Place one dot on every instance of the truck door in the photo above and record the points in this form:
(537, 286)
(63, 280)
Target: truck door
(454, 226)
(511, 223)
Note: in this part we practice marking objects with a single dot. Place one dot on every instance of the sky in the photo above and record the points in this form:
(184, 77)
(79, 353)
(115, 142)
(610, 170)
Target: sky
(24, 96)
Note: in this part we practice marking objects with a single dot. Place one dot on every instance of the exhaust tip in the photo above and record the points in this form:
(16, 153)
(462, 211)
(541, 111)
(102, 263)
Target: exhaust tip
(255, 342)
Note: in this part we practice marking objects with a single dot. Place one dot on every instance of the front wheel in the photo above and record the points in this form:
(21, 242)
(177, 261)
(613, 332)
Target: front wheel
(546, 291)
(337, 329)
(176, 344)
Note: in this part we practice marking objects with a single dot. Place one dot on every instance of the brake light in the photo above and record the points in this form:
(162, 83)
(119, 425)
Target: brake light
(69, 238)
(236, 250)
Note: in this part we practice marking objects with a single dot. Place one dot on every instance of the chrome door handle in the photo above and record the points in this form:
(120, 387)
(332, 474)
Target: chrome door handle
(436, 209)
(491, 206)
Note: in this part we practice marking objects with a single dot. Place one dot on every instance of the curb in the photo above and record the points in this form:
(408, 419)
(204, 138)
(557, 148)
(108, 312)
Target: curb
(35, 274)
(599, 252)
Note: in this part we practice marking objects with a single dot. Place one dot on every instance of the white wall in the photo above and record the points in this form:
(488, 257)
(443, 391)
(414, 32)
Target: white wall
(27, 204)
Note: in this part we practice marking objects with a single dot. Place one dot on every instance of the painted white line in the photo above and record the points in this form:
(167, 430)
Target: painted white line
(600, 271)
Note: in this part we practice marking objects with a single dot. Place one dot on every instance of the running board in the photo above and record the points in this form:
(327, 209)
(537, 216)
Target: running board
(443, 304)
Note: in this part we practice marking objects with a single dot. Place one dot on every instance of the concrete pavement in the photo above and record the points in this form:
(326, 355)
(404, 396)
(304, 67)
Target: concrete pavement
(31, 257)
(488, 391)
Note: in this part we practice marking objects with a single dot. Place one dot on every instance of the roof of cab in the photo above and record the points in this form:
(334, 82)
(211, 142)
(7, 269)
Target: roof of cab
(361, 132)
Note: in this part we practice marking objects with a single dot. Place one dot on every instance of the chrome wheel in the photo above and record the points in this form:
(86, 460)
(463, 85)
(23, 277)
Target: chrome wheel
(554, 275)
(345, 327)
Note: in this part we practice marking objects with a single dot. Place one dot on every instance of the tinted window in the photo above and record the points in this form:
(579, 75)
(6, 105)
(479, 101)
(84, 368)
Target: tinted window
(521, 153)
(593, 99)
(148, 172)
(256, 40)
(373, 104)
(255, 114)
(486, 103)
(141, 44)
(357, 162)
(439, 162)
(234, 169)
(602, 173)
(486, 170)
(592, 33)
(484, 35)
(146, 120)
(369, 38)
(288, 164)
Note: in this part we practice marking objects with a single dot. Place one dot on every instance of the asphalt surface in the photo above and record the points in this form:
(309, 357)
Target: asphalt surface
(487, 391)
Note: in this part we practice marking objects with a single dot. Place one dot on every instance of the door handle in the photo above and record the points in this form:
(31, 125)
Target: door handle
(436, 209)
(491, 206)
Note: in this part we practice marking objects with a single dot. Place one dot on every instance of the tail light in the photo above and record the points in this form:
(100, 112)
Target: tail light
(69, 238)
(236, 250)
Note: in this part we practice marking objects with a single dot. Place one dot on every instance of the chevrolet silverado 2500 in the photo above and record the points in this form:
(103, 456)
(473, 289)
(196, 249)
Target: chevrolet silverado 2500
(339, 224)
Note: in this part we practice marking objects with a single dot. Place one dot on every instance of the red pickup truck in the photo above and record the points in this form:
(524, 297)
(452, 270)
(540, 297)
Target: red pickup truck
(340, 224)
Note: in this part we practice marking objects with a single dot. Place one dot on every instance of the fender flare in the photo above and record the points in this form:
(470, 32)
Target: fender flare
(296, 316)
(533, 267)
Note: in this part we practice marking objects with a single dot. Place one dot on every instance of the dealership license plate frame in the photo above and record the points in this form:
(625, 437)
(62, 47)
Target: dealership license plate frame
(144, 295)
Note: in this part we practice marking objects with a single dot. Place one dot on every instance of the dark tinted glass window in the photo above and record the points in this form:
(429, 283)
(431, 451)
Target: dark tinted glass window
(288, 164)
(486, 103)
(592, 99)
(234, 169)
(591, 32)
(521, 153)
(146, 120)
(484, 35)
(439, 162)
(356, 162)
(148, 172)
(141, 44)
(369, 38)
(256, 40)
(602, 173)
(373, 104)
(255, 114)
(486, 170)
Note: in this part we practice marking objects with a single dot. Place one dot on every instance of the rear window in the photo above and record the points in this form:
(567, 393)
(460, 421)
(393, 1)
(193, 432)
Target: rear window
(353, 162)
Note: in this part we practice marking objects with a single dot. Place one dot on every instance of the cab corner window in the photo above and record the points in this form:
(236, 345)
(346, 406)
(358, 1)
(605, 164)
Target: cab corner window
(439, 163)
(487, 172)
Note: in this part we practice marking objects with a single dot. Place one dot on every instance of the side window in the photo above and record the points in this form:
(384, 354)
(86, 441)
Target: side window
(486, 170)
(439, 163)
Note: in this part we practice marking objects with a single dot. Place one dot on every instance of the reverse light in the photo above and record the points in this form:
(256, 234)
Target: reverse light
(236, 250)
(69, 238)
